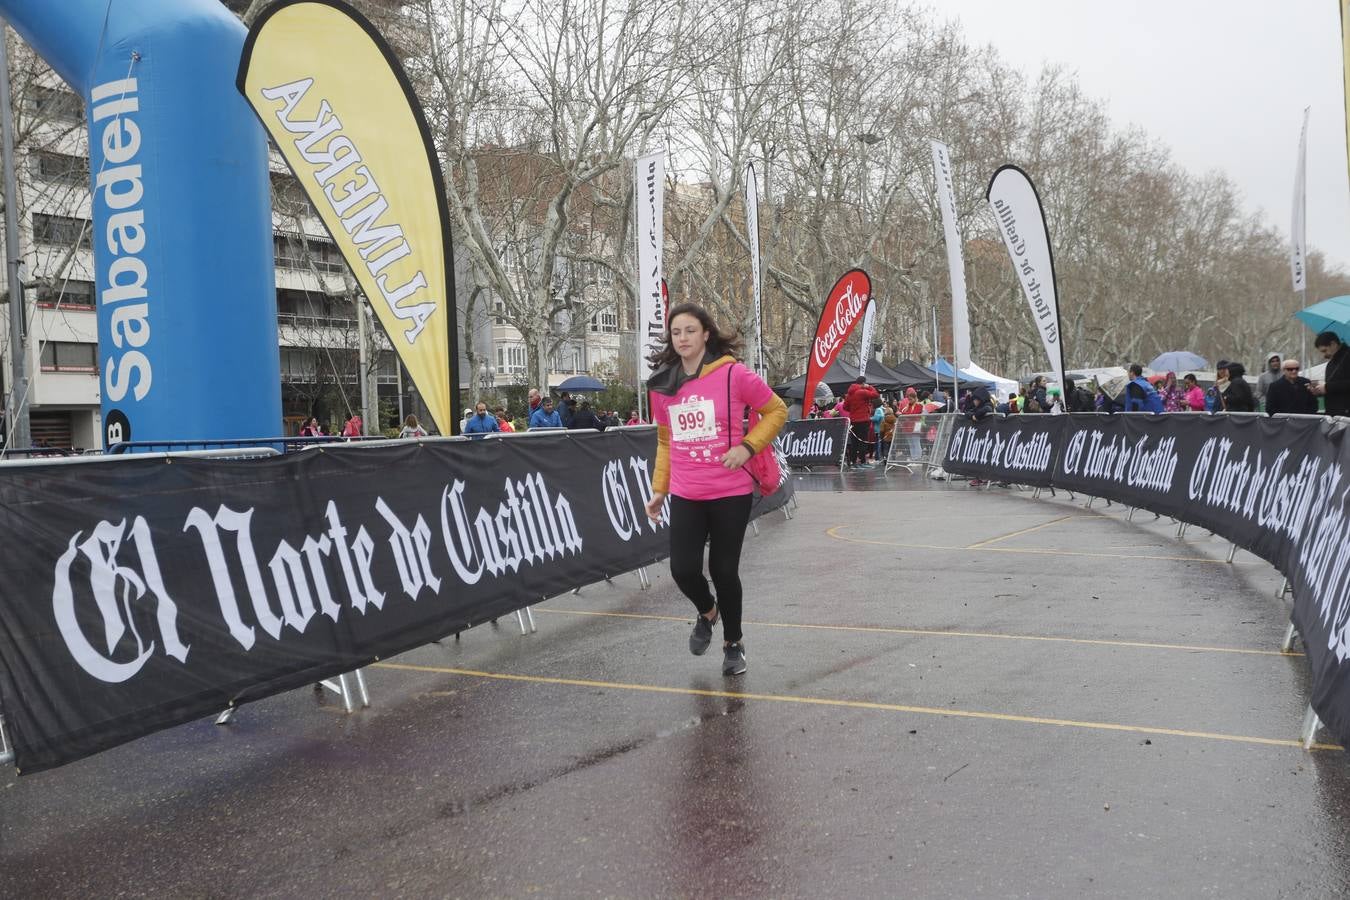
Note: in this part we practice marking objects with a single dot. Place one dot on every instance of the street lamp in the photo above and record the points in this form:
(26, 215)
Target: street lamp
(486, 375)
(867, 139)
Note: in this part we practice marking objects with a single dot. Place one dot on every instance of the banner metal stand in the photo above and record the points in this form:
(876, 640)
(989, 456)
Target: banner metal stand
(1311, 724)
(1290, 633)
(338, 686)
(526, 613)
(6, 751)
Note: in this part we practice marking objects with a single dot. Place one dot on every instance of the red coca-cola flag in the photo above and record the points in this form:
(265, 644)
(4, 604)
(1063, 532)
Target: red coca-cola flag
(845, 308)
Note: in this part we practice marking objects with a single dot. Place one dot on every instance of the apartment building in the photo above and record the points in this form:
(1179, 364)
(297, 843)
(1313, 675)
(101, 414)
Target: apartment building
(318, 302)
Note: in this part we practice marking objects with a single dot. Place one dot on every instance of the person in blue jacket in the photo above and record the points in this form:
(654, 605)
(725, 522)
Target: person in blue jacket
(1140, 396)
(481, 422)
(545, 416)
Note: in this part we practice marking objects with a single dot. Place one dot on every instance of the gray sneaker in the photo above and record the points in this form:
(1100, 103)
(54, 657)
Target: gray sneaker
(734, 659)
(701, 636)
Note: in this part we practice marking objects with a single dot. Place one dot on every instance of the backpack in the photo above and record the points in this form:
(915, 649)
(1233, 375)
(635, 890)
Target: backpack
(764, 467)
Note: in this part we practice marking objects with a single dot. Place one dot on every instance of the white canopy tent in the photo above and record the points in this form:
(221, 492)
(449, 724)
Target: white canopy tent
(1002, 386)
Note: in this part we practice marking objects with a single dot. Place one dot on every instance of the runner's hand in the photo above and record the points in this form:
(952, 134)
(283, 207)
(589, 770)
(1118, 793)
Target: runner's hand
(735, 457)
(654, 506)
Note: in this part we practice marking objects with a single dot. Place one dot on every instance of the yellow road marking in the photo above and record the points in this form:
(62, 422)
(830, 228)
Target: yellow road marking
(1004, 537)
(882, 629)
(832, 532)
(853, 704)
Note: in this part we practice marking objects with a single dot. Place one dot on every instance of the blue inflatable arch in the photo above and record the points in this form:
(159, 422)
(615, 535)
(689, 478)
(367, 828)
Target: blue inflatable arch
(182, 227)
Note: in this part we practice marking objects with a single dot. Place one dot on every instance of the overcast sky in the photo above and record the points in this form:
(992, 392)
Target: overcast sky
(1223, 84)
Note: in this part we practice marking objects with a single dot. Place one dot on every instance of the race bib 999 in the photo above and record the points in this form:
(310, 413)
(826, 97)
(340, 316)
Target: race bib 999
(693, 420)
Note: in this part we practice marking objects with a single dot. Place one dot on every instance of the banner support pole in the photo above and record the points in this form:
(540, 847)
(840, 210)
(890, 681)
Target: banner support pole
(18, 432)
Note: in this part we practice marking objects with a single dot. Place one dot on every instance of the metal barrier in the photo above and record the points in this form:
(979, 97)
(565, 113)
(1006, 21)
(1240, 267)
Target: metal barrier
(251, 452)
(31, 452)
(920, 441)
(282, 443)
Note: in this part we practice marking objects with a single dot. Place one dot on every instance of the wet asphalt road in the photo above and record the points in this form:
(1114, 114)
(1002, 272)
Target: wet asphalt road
(1075, 706)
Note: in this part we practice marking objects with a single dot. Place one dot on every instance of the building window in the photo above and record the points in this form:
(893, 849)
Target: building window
(314, 309)
(299, 365)
(63, 231)
(72, 295)
(510, 359)
(386, 370)
(58, 356)
(606, 321)
(293, 251)
(60, 168)
(56, 104)
(567, 359)
(289, 197)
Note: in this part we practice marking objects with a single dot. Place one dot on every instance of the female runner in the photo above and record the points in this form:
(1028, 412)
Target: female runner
(698, 398)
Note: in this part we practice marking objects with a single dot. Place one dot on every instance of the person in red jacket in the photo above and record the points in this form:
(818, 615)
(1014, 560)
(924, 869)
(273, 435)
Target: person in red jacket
(858, 404)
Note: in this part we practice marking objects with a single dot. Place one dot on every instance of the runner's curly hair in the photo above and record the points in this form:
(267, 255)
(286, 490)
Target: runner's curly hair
(720, 343)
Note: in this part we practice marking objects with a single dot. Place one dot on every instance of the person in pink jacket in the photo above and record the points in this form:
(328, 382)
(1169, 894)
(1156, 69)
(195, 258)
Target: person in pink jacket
(699, 394)
(1194, 394)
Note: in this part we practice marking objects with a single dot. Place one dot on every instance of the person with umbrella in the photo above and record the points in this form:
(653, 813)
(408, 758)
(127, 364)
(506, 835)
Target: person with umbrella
(585, 418)
(1336, 384)
(1173, 398)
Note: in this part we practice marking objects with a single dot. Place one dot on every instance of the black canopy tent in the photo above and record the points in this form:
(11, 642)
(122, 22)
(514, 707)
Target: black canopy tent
(840, 376)
(904, 374)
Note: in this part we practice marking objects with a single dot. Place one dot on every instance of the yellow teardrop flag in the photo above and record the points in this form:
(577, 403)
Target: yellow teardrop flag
(336, 101)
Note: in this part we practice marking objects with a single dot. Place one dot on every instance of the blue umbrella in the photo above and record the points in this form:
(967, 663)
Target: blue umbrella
(1329, 315)
(1179, 361)
(581, 384)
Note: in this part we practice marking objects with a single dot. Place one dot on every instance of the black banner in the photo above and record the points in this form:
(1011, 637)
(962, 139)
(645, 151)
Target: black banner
(144, 593)
(813, 442)
(1021, 449)
(1276, 487)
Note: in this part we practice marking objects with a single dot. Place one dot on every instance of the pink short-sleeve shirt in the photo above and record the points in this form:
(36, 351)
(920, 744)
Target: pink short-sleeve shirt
(703, 428)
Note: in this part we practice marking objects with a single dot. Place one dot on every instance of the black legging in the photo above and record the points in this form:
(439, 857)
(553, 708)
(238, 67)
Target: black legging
(858, 442)
(721, 523)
